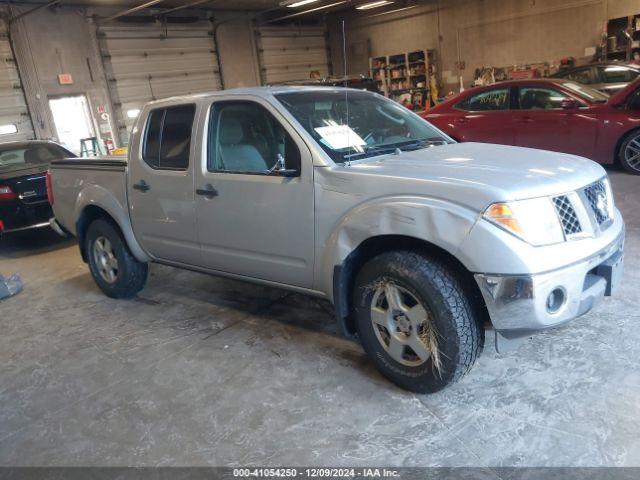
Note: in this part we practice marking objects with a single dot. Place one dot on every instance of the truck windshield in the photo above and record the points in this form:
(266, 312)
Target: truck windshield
(351, 124)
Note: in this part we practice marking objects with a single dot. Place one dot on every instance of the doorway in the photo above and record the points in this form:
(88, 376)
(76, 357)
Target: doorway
(72, 119)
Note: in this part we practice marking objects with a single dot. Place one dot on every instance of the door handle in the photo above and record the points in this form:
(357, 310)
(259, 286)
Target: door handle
(461, 121)
(142, 186)
(208, 191)
(525, 119)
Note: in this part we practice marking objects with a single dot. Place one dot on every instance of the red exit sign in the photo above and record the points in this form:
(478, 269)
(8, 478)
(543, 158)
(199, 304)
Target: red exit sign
(65, 79)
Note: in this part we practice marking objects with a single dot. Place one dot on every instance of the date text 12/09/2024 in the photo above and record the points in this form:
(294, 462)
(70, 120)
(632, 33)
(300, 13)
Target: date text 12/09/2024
(315, 472)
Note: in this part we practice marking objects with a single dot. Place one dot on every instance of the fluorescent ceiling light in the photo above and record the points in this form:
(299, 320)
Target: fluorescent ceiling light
(304, 12)
(133, 113)
(296, 3)
(8, 129)
(376, 4)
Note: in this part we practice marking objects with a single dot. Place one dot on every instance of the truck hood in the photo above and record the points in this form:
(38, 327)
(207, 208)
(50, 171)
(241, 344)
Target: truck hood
(477, 174)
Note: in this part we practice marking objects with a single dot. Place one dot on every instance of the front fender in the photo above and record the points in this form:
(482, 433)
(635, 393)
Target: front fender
(439, 222)
(95, 195)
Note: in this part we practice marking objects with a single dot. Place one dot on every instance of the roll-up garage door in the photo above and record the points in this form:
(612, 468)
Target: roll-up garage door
(292, 53)
(15, 122)
(145, 62)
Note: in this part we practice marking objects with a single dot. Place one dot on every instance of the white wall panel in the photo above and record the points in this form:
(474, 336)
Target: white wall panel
(292, 53)
(13, 107)
(145, 62)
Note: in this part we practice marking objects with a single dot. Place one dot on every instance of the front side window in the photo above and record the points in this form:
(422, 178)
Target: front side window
(496, 99)
(634, 100)
(168, 137)
(349, 125)
(537, 98)
(581, 76)
(617, 74)
(244, 137)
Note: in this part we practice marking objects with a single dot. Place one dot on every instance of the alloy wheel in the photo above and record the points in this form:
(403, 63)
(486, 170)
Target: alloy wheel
(105, 259)
(632, 153)
(403, 326)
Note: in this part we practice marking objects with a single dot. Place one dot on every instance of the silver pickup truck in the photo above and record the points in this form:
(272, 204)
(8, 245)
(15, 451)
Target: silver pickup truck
(420, 243)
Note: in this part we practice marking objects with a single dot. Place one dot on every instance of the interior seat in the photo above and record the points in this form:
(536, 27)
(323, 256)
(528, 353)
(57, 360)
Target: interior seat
(235, 155)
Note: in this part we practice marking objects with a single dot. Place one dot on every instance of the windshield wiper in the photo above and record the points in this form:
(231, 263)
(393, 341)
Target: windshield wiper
(370, 151)
(417, 145)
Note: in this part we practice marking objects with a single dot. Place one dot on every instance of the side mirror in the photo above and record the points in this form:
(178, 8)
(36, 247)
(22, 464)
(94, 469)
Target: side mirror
(568, 104)
(280, 168)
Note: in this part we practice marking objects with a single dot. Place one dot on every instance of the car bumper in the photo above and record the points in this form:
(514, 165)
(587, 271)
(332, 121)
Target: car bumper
(17, 217)
(520, 305)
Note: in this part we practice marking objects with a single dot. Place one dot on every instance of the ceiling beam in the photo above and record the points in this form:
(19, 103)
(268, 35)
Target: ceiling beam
(34, 9)
(129, 11)
(182, 7)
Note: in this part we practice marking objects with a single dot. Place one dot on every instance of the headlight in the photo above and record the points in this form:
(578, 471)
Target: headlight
(535, 220)
(609, 192)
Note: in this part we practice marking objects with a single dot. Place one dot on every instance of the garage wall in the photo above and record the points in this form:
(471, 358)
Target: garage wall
(120, 66)
(149, 61)
(51, 42)
(238, 52)
(13, 105)
(484, 32)
(289, 53)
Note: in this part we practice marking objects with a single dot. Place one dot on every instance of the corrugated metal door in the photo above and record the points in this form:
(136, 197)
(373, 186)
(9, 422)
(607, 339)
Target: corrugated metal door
(292, 53)
(13, 106)
(145, 62)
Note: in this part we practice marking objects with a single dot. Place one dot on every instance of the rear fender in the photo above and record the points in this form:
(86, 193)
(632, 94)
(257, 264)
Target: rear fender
(100, 197)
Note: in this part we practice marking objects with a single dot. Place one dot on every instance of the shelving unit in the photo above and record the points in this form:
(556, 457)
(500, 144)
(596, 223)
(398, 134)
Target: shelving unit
(407, 77)
(623, 38)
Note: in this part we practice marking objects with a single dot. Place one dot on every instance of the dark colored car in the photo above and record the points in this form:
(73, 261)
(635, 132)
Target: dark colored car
(608, 77)
(357, 81)
(23, 193)
(549, 114)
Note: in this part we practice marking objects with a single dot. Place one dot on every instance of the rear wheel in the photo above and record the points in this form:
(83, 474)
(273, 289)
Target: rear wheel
(415, 321)
(113, 267)
(629, 155)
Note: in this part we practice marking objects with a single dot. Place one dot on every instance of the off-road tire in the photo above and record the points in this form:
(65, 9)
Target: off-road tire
(459, 332)
(132, 274)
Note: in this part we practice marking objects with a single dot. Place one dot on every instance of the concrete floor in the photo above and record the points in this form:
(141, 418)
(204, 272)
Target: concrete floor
(204, 371)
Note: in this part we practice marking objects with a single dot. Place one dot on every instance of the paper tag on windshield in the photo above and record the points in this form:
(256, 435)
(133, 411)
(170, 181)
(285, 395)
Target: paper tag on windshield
(340, 136)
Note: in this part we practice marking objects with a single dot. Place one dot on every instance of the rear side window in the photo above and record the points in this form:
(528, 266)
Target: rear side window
(168, 137)
(617, 74)
(497, 99)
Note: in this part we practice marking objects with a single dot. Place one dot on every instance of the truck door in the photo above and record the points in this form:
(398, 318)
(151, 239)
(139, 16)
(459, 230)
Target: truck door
(161, 185)
(251, 221)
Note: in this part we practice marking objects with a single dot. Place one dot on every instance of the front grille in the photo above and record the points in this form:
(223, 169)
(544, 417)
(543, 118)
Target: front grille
(596, 194)
(567, 214)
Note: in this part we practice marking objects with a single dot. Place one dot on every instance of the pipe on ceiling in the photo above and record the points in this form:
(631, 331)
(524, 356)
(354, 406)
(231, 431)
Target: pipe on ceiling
(123, 13)
(34, 9)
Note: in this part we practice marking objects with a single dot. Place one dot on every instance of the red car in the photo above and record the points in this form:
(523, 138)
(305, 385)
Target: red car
(550, 114)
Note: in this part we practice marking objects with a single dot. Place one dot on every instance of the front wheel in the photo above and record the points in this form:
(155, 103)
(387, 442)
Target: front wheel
(113, 267)
(415, 322)
(629, 155)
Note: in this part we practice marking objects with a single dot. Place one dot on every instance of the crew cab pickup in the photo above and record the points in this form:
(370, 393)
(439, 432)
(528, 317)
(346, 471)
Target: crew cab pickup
(420, 243)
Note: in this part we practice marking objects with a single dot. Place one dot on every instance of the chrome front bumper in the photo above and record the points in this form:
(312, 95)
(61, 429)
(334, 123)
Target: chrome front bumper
(518, 304)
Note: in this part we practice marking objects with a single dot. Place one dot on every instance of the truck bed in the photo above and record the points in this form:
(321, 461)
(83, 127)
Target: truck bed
(100, 177)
